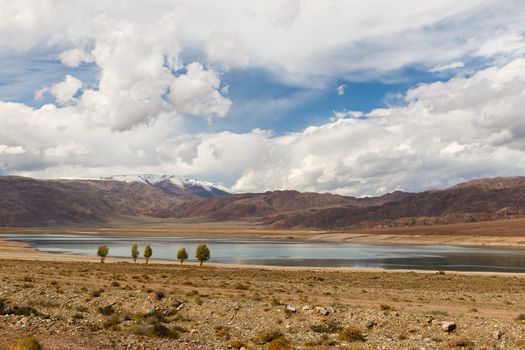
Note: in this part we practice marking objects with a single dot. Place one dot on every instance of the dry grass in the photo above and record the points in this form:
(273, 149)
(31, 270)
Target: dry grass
(26, 343)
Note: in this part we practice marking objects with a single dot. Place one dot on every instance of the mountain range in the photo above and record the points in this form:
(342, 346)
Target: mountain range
(26, 202)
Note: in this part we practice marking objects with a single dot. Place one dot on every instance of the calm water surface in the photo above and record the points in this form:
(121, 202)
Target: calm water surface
(291, 253)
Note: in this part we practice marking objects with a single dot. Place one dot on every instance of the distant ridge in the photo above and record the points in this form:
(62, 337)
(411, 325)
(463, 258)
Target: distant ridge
(30, 202)
(175, 184)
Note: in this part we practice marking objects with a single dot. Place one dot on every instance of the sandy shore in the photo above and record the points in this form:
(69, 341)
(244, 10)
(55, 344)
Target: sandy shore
(505, 233)
(21, 251)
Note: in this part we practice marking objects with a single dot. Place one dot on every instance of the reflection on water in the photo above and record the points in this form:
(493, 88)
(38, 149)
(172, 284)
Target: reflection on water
(292, 253)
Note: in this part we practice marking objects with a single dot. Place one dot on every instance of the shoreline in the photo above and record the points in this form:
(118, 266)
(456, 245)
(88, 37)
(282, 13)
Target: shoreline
(467, 235)
(19, 251)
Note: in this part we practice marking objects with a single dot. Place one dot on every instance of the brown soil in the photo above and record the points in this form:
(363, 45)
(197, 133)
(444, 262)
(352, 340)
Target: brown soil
(88, 305)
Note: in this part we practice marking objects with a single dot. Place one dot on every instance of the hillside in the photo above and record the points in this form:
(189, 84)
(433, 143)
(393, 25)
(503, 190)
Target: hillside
(30, 202)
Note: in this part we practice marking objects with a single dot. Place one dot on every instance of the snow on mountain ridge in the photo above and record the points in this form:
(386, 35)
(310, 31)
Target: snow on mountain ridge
(152, 179)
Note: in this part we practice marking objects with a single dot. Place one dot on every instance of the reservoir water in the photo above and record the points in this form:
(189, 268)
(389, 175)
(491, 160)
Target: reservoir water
(232, 250)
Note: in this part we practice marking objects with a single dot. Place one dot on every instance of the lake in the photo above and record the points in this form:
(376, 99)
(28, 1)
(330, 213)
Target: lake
(231, 250)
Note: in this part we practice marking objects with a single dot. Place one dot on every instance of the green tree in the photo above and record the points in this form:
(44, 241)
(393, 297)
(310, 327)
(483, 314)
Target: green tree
(202, 253)
(102, 251)
(135, 252)
(148, 252)
(182, 255)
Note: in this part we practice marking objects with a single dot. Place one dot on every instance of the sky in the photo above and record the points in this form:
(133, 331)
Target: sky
(349, 97)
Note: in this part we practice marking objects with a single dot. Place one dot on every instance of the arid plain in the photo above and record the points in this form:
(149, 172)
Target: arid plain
(62, 300)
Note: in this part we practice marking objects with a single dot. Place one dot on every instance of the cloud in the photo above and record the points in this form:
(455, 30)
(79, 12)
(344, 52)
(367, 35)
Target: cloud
(447, 132)
(63, 92)
(351, 41)
(341, 89)
(512, 43)
(197, 93)
(156, 64)
(5, 149)
(66, 150)
(74, 57)
(446, 67)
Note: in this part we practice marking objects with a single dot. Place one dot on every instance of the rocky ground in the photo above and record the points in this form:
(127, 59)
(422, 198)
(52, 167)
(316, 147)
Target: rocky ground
(84, 305)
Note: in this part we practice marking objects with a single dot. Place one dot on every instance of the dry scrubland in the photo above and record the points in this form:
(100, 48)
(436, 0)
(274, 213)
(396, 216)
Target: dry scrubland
(83, 305)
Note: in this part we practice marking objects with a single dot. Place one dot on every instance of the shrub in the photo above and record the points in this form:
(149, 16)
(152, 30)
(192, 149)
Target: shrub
(236, 344)
(148, 252)
(135, 252)
(267, 336)
(26, 343)
(102, 252)
(462, 343)
(331, 327)
(202, 253)
(97, 292)
(154, 330)
(182, 255)
(159, 294)
(521, 317)
(385, 307)
(22, 310)
(107, 310)
(241, 286)
(351, 334)
(279, 344)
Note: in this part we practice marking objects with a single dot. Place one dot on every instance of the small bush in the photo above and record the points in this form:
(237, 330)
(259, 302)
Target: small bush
(112, 323)
(462, 343)
(154, 330)
(264, 337)
(279, 344)
(107, 310)
(351, 334)
(324, 340)
(97, 292)
(236, 344)
(241, 286)
(26, 343)
(521, 317)
(385, 307)
(78, 316)
(159, 294)
(22, 310)
(331, 327)
(115, 284)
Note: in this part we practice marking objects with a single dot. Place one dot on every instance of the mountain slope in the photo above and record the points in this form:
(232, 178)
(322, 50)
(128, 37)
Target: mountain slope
(174, 185)
(30, 202)
(482, 200)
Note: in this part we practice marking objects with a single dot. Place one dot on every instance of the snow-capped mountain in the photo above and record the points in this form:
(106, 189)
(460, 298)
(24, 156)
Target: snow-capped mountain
(174, 184)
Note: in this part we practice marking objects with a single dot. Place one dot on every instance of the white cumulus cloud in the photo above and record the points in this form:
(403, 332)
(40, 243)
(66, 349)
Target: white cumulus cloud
(197, 92)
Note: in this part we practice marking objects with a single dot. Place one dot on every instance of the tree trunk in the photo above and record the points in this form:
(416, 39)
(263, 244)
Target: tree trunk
(201, 263)
(147, 260)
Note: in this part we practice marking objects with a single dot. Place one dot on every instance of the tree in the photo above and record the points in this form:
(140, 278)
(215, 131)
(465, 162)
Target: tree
(148, 252)
(135, 252)
(102, 251)
(202, 253)
(182, 255)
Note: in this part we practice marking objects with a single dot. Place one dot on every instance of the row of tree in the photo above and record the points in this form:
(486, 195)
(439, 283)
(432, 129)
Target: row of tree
(202, 253)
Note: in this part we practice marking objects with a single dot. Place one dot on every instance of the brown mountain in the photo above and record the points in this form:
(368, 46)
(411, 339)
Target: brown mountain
(479, 200)
(30, 202)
